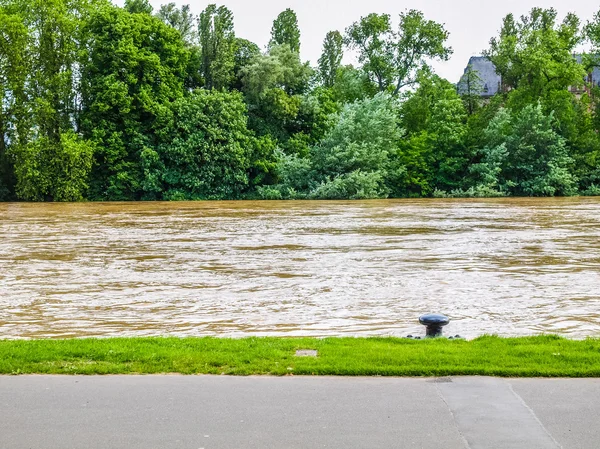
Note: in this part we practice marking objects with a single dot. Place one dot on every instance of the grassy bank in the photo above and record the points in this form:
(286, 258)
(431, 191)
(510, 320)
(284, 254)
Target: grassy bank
(544, 356)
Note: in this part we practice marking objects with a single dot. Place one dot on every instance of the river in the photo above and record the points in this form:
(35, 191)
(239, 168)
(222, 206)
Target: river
(501, 266)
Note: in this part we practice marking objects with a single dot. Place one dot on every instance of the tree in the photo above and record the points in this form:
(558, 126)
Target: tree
(525, 156)
(245, 53)
(393, 59)
(207, 151)
(584, 144)
(285, 31)
(470, 88)
(53, 27)
(534, 55)
(331, 59)
(51, 161)
(181, 19)
(592, 32)
(273, 85)
(218, 46)
(371, 37)
(13, 100)
(353, 159)
(434, 151)
(134, 67)
(352, 84)
(54, 170)
(588, 156)
(185, 23)
(138, 7)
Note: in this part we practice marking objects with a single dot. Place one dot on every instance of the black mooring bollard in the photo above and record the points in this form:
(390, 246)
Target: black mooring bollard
(434, 322)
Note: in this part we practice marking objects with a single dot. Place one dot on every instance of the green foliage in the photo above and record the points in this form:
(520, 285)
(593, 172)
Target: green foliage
(365, 134)
(525, 156)
(138, 6)
(371, 37)
(107, 103)
(356, 185)
(245, 53)
(134, 67)
(393, 58)
(352, 84)
(218, 46)
(53, 171)
(577, 123)
(280, 69)
(331, 59)
(592, 32)
(534, 55)
(352, 160)
(434, 154)
(207, 151)
(14, 68)
(273, 85)
(181, 19)
(285, 31)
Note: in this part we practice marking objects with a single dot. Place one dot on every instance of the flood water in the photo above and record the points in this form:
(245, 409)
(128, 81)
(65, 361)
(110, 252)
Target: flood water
(509, 266)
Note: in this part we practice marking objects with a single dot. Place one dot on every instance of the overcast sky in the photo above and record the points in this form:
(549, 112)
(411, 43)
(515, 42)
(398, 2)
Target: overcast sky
(471, 23)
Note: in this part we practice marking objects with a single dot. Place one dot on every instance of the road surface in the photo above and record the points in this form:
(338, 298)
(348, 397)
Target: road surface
(177, 412)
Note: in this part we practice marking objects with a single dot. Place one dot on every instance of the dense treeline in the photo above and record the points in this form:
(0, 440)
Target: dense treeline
(101, 102)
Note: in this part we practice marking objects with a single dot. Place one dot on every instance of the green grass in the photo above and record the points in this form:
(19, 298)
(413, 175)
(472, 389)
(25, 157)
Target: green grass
(544, 356)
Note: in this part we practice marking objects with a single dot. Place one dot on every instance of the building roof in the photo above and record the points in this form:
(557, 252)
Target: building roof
(490, 81)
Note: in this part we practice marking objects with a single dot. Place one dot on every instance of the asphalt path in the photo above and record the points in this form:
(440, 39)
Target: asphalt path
(164, 412)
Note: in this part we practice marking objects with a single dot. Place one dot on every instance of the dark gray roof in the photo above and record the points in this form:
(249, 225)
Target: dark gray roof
(490, 81)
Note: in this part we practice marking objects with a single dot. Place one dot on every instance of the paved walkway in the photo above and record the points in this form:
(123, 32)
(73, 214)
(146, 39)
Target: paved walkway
(164, 412)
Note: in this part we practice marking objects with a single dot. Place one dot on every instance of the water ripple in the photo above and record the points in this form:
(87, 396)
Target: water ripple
(505, 266)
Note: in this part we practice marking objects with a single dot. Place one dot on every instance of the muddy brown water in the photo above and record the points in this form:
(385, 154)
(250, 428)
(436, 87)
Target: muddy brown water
(509, 266)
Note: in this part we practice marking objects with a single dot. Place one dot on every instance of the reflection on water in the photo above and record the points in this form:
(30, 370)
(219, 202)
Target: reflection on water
(510, 266)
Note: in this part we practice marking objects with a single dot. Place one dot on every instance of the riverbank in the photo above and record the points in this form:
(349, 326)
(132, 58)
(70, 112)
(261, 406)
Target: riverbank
(543, 356)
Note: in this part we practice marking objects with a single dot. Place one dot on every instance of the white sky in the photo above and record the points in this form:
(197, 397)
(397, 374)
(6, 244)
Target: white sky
(471, 23)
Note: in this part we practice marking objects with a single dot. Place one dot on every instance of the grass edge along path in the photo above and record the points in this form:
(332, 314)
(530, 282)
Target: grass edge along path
(542, 356)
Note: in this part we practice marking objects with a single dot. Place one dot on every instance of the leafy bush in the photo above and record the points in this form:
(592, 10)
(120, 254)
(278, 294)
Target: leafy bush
(356, 185)
(525, 156)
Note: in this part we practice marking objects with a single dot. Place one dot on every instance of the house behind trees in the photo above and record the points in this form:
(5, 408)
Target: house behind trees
(481, 79)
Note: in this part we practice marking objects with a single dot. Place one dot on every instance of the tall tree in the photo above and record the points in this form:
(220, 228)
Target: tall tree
(218, 46)
(371, 37)
(185, 23)
(181, 19)
(51, 161)
(13, 113)
(138, 6)
(534, 55)
(273, 85)
(245, 53)
(134, 67)
(433, 151)
(592, 32)
(331, 59)
(285, 31)
(394, 58)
